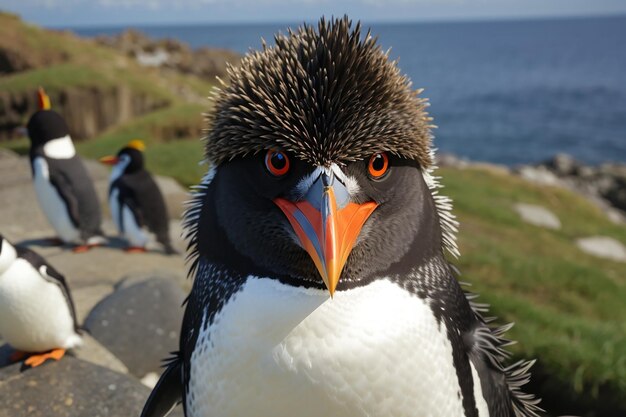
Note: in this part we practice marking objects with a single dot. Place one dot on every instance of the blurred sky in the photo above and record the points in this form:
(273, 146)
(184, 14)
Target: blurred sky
(72, 13)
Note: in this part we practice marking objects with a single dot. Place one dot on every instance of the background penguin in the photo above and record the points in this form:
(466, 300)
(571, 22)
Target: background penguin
(321, 185)
(37, 314)
(135, 199)
(64, 189)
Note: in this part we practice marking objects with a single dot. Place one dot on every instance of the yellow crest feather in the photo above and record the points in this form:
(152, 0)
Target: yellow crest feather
(136, 144)
(44, 100)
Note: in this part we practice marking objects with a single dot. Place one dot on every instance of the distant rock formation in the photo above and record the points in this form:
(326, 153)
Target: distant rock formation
(605, 182)
(172, 54)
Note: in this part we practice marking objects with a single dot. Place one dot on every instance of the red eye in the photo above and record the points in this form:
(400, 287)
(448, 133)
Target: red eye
(378, 165)
(277, 163)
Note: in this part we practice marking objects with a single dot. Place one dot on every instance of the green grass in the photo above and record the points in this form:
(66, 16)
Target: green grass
(570, 307)
(55, 78)
(165, 155)
(180, 160)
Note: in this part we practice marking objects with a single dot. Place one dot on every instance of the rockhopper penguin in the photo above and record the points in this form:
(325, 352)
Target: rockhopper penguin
(135, 200)
(318, 237)
(37, 315)
(64, 189)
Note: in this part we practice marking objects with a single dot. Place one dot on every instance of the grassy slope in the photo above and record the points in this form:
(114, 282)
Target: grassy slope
(569, 307)
(85, 64)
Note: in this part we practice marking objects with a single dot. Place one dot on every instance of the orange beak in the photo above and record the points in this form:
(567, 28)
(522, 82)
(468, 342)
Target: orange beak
(109, 160)
(327, 225)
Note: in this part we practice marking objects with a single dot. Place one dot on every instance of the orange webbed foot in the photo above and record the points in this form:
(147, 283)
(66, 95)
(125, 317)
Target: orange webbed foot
(135, 249)
(38, 359)
(81, 248)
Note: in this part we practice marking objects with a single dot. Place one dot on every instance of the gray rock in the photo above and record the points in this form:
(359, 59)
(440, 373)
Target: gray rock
(537, 215)
(86, 298)
(70, 388)
(140, 324)
(615, 216)
(603, 247)
(616, 195)
(139, 277)
(92, 351)
(605, 183)
(538, 175)
(563, 165)
(450, 160)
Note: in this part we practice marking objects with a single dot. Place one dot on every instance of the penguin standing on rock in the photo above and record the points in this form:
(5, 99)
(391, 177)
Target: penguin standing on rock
(64, 189)
(136, 201)
(321, 286)
(37, 314)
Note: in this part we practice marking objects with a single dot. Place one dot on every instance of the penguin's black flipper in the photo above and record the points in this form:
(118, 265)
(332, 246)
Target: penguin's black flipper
(65, 190)
(167, 393)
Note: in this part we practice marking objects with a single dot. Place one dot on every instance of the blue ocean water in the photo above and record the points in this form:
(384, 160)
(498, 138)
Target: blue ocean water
(503, 91)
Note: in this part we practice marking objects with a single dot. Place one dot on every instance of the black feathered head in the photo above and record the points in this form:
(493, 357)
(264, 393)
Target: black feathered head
(46, 125)
(326, 96)
(324, 126)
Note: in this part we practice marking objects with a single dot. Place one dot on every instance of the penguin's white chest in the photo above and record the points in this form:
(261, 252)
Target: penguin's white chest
(34, 315)
(275, 350)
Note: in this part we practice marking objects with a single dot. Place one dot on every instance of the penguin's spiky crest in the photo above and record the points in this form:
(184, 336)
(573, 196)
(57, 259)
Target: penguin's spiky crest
(327, 96)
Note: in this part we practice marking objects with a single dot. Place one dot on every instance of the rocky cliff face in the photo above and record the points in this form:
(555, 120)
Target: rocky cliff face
(88, 111)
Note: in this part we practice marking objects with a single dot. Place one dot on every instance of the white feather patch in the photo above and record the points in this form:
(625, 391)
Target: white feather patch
(60, 148)
(280, 351)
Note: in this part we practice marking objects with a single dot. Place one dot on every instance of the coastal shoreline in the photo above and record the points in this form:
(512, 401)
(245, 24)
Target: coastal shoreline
(604, 185)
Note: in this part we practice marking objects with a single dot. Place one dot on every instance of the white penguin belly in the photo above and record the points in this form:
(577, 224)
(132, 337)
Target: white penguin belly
(51, 203)
(279, 351)
(34, 315)
(125, 222)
